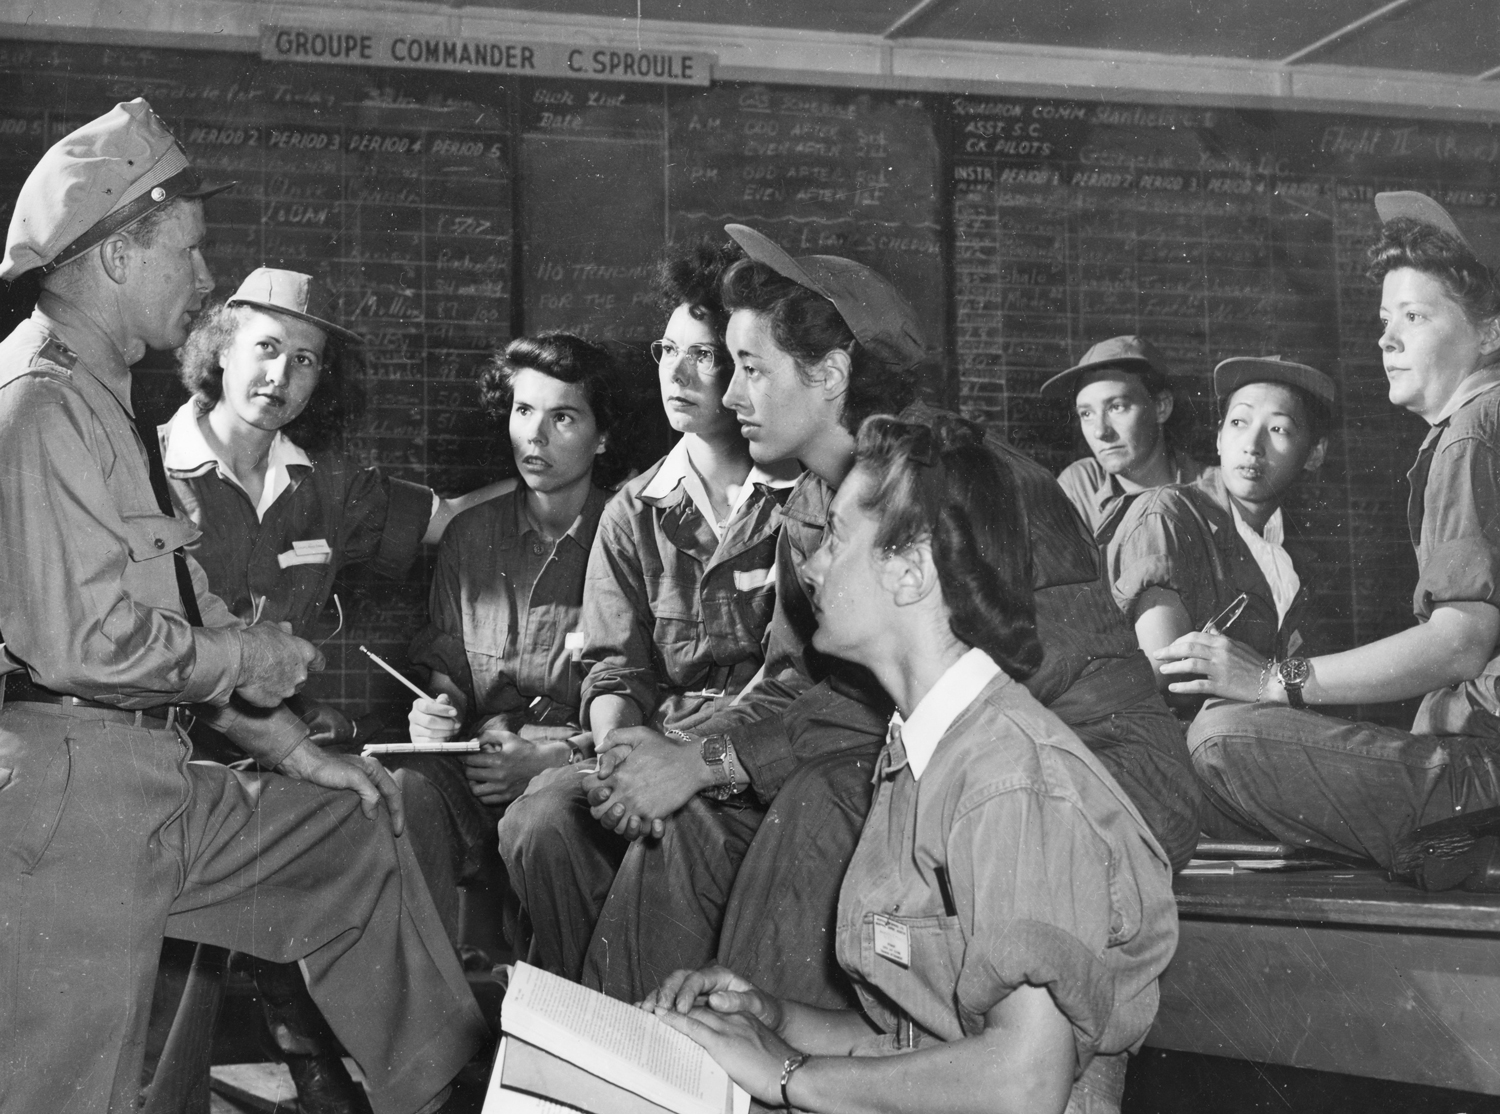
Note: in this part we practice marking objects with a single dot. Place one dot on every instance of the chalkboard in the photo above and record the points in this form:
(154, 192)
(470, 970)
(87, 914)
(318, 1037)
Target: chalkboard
(1215, 232)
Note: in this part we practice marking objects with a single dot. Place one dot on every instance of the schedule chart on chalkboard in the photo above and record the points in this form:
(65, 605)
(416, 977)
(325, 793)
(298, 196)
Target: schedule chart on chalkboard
(1215, 233)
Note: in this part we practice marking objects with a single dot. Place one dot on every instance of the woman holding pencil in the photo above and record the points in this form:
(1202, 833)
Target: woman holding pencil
(501, 642)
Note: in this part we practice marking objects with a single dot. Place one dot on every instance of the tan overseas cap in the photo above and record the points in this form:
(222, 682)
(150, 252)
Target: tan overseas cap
(290, 293)
(92, 183)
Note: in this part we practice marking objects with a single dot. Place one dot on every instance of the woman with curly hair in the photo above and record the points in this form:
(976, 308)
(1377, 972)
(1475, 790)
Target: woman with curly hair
(501, 642)
(1007, 910)
(674, 616)
(256, 459)
(1273, 766)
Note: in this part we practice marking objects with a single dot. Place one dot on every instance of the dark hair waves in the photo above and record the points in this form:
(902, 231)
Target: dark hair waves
(694, 278)
(337, 402)
(1405, 242)
(571, 359)
(808, 326)
(940, 481)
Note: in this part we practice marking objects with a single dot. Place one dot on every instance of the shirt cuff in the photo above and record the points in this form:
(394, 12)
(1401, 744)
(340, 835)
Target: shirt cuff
(217, 656)
(408, 513)
(764, 751)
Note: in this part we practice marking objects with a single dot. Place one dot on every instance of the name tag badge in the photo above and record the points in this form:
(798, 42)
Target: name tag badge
(751, 579)
(573, 644)
(309, 551)
(892, 941)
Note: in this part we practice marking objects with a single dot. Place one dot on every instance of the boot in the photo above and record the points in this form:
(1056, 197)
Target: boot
(305, 1043)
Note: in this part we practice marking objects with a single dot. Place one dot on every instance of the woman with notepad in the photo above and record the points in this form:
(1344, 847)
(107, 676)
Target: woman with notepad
(501, 646)
(1007, 912)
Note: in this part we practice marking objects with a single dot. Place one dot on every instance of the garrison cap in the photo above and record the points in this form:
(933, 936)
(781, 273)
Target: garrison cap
(92, 183)
(878, 316)
(290, 293)
(1128, 353)
(1232, 374)
(1483, 242)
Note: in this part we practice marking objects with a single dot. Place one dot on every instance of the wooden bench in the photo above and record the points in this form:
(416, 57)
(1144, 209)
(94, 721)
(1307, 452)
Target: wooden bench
(1340, 970)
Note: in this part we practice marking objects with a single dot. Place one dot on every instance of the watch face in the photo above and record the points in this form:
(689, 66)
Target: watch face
(714, 749)
(1294, 672)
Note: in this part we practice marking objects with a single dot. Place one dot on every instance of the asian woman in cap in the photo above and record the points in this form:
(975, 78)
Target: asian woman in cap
(673, 623)
(256, 461)
(1135, 429)
(1185, 553)
(1273, 766)
(819, 344)
(1007, 912)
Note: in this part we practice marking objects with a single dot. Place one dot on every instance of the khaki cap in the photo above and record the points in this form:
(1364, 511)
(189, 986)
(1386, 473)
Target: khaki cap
(1129, 353)
(878, 316)
(92, 183)
(1232, 374)
(1483, 243)
(290, 293)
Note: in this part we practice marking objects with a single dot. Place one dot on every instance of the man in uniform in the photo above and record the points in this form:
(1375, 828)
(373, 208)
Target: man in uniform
(109, 838)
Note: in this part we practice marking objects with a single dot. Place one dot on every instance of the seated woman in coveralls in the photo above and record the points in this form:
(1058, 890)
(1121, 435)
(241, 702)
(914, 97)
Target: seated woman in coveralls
(255, 459)
(1185, 553)
(675, 608)
(1273, 766)
(501, 642)
(1007, 911)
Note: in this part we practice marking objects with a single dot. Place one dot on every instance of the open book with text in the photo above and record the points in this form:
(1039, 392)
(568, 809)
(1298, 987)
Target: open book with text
(567, 1048)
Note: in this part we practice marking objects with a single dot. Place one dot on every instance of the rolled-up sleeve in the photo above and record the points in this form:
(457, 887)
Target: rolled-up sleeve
(1157, 548)
(85, 611)
(385, 520)
(1004, 854)
(619, 652)
(1458, 552)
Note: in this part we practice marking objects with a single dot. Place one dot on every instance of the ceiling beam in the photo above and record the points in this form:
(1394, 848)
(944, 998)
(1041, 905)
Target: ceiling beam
(1384, 12)
(922, 9)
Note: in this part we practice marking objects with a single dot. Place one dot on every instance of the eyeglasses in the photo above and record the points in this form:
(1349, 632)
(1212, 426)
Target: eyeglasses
(704, 358)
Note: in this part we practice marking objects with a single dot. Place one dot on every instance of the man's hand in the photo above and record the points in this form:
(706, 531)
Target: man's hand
(433, 720)
(274, 663)
(365, 776)
(327, 725)
(1229, 669)
(659, 776)
(501, 771)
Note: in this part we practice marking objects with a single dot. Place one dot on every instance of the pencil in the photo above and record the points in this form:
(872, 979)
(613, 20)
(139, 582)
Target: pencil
(472, 746)
(380, 661)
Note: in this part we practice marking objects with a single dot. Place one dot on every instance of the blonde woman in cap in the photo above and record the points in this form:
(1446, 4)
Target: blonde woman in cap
(1185, 554)
(819, 344)
(111, 838)
(1273, 765)
(1129, 415)
(256, 461)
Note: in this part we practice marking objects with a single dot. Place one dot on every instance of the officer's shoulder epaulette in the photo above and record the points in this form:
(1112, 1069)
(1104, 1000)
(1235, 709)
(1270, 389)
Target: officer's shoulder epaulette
(56, 352)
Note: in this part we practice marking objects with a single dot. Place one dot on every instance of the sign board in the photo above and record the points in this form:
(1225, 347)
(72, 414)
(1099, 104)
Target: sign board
(527, 58)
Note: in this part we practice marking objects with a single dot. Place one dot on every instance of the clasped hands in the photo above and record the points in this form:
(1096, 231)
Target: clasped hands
(643, 778)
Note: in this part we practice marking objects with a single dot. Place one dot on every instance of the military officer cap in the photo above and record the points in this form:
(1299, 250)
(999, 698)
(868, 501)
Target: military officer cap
(94, 182)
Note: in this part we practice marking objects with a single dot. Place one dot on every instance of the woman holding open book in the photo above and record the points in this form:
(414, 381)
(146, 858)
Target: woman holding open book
(1007, 911)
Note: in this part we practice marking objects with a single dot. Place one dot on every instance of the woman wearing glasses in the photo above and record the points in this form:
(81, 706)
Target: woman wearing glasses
(675, 607)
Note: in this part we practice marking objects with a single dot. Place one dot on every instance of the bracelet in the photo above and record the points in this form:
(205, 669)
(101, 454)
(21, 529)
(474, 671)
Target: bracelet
(1265, 673)
(792, 1064)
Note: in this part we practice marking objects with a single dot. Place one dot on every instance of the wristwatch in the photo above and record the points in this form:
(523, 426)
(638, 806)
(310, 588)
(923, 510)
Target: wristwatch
(1293, 674)
(716, 758)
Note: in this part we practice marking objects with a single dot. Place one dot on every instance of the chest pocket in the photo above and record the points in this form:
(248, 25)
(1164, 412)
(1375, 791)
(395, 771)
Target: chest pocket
(923, 988)
(149, 536)
(489, 620)
(676, 629)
